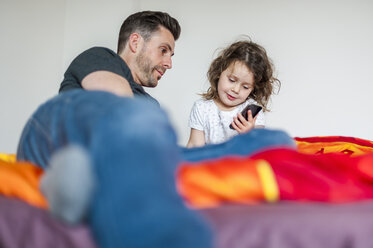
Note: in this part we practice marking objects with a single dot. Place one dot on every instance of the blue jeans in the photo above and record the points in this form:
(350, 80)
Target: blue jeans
(243, 145)
(134, 155)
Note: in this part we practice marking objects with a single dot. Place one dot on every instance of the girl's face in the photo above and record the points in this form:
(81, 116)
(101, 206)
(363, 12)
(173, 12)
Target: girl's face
(234, 86)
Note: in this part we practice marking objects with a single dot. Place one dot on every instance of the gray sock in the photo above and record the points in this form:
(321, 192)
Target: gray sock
(68, 184)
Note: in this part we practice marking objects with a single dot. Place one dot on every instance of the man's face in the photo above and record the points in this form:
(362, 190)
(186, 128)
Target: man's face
(155, 58)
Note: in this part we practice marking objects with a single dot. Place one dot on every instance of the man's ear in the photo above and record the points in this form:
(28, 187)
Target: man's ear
(134, 42)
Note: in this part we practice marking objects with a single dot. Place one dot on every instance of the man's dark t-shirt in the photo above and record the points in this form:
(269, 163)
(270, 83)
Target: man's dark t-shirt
(99, 59)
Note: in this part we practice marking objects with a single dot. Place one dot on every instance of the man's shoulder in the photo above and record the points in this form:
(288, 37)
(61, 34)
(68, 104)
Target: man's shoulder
(102, 58)
(96, 58)
(99, 51)
(91, 60)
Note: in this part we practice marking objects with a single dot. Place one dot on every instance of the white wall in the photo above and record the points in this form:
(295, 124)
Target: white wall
(31, 52)
(93, 23)
(322, 51)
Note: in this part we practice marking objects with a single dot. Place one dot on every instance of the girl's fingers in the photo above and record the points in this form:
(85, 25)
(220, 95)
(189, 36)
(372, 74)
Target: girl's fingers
(239, 122)
(234, 125)
(241, 125)
(241, 118)
(249, 116)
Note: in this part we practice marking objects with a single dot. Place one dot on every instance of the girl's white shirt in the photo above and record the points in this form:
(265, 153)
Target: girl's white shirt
(207, 117)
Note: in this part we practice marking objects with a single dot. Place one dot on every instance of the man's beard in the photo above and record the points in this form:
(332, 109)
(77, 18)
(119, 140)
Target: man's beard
(146, 70)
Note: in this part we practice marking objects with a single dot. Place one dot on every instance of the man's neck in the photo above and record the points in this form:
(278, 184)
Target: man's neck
(129, 60)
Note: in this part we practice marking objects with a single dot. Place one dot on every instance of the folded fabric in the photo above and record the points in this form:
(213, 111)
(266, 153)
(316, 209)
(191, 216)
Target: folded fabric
(8, 157)
(277, 174)
(334, 144)
(235, 180)
(329, 177)
(21, 180)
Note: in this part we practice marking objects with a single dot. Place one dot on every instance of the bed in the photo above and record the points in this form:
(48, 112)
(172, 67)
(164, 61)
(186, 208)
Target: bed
(319, 195)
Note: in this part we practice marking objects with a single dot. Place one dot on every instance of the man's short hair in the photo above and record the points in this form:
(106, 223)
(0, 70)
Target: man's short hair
(146, 23)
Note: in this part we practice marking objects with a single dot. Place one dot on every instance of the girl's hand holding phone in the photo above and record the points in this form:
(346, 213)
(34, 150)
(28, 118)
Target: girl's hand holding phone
(245, 121)
(241, 125)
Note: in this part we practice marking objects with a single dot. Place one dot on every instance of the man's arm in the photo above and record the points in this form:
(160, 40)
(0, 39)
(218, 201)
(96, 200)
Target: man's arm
(107, 81)
(197, 138)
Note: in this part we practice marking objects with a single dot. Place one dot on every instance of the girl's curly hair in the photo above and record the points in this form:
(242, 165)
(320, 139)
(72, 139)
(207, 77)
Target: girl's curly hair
(255, 58)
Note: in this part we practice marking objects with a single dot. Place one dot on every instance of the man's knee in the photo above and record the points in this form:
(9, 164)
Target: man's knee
(136, 119)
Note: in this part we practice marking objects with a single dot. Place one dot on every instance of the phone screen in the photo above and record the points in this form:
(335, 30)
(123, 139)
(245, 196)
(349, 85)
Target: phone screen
(254, 110)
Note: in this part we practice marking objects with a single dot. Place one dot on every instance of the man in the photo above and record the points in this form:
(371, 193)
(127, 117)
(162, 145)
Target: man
(126, 147)
(145, 47)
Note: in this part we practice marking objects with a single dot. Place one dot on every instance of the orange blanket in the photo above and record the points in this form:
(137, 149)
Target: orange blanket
(334, 144)
(21, 180)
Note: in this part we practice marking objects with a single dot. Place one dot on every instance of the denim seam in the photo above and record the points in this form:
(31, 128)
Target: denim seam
(41, 128)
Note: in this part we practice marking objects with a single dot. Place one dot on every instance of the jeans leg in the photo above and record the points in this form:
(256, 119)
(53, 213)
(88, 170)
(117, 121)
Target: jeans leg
(244, 144)
(63, 120)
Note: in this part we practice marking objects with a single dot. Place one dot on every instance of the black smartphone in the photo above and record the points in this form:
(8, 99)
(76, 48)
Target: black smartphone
(254, 111)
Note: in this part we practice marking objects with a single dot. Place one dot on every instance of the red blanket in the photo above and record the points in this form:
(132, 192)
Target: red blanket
(337, 169)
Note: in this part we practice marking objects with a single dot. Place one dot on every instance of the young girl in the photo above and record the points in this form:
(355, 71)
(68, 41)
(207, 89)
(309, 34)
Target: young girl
(242, 74)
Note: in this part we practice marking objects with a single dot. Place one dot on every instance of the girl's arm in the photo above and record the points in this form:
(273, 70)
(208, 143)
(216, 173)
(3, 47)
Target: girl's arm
(197, 138)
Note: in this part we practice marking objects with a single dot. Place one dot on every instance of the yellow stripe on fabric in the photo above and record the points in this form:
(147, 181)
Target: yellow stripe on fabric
(8, 157)
(269, 183)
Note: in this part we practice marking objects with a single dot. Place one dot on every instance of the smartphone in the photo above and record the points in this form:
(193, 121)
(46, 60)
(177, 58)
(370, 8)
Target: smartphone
(254, 111)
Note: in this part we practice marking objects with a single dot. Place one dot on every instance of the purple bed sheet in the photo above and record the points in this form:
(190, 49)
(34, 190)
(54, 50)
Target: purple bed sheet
(25, 226)
(280, 225)
(293, 225)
